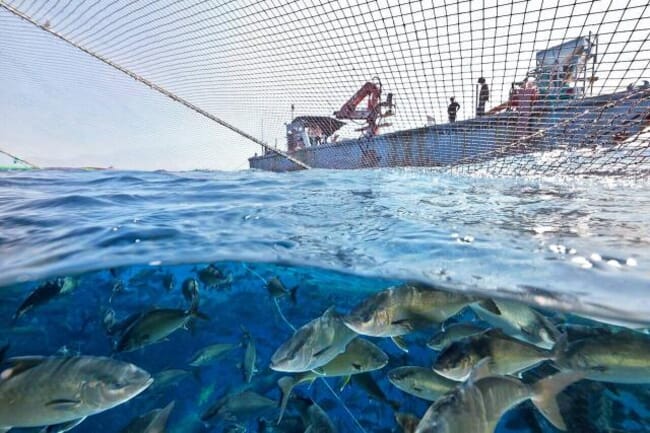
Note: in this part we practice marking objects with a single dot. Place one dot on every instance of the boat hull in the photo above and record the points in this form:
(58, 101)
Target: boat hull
(602, 120)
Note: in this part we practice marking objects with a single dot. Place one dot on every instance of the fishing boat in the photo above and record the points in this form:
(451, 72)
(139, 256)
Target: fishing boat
(549, 109)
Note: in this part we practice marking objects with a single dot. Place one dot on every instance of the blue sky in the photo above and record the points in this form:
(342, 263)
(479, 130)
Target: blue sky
(248, 61)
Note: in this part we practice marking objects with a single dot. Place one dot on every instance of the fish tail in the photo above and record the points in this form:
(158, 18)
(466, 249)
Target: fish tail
(560, 347)
(545, 392)
(293, 294)
(196, 373)
(286, 384)
(394, 404)
(194, 302)
(199, 315)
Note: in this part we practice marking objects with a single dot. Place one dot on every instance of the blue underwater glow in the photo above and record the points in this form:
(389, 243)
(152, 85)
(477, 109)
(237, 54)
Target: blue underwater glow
(129, 240)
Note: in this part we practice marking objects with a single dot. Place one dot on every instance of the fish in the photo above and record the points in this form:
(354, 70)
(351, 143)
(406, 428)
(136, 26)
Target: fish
(278, 290)
(314, 344)
(420, 382)
(288, 425)
(112, 327)
(407, 421)
(519, 321)
(507, 355)
(190, 289)
(366, 382)
(360, 356)
(168, 281)
(169, 377)
(109, 320)
(155, 325)
(453, 333)
(314, 417)
(239, 407)
(205, 394)
(62, 427)
(210, 353)
(213, 277)
(45, 293)
(117, 288)
(477, 405)
(250, 356)
(154, 421)
(234, 428)
(4, 348)
(623, 357)
(402, 309)
(40, 391)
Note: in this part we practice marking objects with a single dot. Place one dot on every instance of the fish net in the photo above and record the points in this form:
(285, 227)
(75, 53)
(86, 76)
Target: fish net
(542, 87)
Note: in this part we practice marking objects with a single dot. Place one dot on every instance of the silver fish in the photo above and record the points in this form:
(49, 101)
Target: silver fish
(154, 421)
(41, 391)
(519, 321)
(250, 356)
(211, 353)
(277, 289)
(623, 357)
(453, 333)
(407, 421)
(420, 382)
(403, 309)
(166, 378)
(477, 405)
(153, 326)
(507, 355)
(360, 356)
(45, 293)
(239, 407)
(315, 418)
(313, 345)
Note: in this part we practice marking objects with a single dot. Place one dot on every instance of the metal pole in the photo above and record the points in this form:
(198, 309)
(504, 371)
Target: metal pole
(153, 85)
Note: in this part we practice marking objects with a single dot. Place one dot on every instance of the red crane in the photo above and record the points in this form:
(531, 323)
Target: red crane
(372, 113)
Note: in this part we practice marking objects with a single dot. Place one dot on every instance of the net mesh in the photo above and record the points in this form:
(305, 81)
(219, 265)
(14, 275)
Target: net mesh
(563, 89)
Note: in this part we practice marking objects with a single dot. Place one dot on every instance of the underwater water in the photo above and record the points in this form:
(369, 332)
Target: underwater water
(150, 268)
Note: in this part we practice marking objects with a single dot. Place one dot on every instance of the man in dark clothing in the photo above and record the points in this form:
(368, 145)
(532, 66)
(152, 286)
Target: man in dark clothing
(483, 96)
(452, 109)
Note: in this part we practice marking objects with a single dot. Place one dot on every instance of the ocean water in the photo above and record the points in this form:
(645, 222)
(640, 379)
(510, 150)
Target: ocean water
(575, 249)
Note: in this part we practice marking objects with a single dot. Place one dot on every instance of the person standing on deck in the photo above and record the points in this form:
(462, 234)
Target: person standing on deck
(483, 96)
(452, 109)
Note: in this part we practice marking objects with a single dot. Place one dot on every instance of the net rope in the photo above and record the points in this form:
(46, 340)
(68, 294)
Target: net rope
(566, 79)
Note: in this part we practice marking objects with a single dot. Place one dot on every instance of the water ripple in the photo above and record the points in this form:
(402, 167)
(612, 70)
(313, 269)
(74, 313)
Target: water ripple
(586, 243)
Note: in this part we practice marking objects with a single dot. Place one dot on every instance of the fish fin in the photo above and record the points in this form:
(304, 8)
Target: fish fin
(550, 326)
(293, 294)
(344, 381)
(400, 343)
(199, 315)
(63, 427)
(3, 351)
(20, 364)
(63, 403)
(320, 352)
(490, 305)
(545, 392)
(196, 373)
(482, 369)
(331, 311)
(286, 384)
(560, 347)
